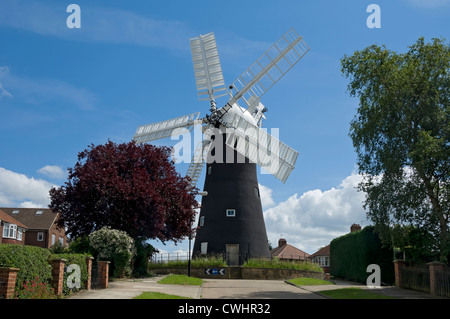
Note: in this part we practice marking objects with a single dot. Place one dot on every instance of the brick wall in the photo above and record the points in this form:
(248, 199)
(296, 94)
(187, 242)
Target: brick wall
(8, 278)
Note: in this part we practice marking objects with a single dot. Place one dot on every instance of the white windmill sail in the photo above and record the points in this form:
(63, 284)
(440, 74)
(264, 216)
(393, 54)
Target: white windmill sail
(261, 148)
(267, 70)
(207, 68)
(155, 131)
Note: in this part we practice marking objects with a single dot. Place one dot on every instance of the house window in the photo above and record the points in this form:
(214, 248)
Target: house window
(202, 221)
(53, 239)
(15, 212)
(40, 236)
(209, 170)
(19, 233)
(231, 212)
(39, 212)
(61, 241)
(9, 230)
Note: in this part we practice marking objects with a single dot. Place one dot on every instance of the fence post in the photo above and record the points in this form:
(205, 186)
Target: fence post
(8, 276)
(89, 272)
(398, 266)
(434, 267)
(58, 275)
(103, 269)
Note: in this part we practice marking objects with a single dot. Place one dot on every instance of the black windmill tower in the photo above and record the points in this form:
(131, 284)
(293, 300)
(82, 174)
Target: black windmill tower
(231, 219)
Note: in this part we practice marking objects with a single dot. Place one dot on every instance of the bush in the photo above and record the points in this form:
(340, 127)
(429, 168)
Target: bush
(115, 246)
(80, 260)
(32, 262)
(278, 264)
(36, 289)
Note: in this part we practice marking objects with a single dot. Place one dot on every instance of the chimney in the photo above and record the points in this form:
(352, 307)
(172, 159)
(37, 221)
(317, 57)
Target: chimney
(355, 227)
(282, 242)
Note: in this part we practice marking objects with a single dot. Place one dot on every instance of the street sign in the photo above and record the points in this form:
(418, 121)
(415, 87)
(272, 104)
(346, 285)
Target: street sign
(215, 271)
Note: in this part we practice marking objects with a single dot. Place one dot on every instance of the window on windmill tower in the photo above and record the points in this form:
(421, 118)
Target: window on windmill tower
(231, 212)
(257, 192)
(202, 221)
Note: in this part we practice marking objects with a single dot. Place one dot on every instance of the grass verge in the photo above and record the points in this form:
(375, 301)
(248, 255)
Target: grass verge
(158, 295)
(180, 280)
(353, 293)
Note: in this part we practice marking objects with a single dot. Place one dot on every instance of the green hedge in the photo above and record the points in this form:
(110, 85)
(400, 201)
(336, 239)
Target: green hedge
(352, 253)
(80, 260)
(32, 261)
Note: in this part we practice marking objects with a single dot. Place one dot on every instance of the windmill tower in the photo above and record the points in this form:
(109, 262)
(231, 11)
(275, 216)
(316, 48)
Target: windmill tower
(231, 218)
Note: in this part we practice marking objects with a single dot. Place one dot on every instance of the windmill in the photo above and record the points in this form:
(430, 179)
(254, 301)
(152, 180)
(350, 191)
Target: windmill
(231, 219)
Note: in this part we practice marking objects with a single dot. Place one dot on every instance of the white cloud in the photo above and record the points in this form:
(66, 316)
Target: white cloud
(312, 220)
(20, 190)
(266, 196)
(3, 92)
(38, 90)
(55, 172)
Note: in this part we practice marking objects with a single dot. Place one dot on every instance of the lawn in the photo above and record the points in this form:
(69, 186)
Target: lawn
(158, 295)
(353, 293)
(180, 280)
(303, 281)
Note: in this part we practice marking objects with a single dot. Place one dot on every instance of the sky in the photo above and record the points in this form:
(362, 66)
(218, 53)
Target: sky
(129, 64)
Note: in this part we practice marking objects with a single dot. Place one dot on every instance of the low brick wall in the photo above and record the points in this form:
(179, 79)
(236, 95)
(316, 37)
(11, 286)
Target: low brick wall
(242, 273)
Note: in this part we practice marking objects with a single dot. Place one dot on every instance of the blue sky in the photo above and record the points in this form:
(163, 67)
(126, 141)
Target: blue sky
(129, 64)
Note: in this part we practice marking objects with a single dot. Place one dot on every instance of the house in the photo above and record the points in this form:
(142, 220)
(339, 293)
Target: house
(41, 226)
(285, 251)
(322, 258)
(11, 230)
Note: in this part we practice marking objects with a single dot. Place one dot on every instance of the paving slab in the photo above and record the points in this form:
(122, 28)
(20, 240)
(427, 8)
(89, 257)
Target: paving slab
(253, 289)
(130, 288)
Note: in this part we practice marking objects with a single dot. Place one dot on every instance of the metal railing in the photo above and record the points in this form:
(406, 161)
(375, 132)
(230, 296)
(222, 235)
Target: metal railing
(416, 279)
(442, 278)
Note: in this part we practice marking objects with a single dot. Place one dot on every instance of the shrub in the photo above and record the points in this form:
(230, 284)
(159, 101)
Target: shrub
(278, 264)
(80, 260)
(36, 289)
(115, 246)
(32, 262)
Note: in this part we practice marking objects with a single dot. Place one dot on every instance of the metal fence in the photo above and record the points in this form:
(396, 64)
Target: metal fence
(166, 257)
(443, 282)
(184, 256)
(416, 279)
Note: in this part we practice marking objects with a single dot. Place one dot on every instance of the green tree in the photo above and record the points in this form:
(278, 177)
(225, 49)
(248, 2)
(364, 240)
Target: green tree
(401, 135)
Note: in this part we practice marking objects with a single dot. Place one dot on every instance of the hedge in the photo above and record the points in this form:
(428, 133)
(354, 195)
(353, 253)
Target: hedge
(352, 253)
(80, 260)
(31, 260)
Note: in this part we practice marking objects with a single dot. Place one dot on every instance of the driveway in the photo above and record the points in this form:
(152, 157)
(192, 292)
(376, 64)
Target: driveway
(232, 289)
(253, 289)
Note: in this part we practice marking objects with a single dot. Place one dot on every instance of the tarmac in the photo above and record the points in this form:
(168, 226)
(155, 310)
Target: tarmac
(234, 289)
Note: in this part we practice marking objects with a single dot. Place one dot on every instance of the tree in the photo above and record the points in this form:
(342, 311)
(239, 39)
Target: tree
(129, 187)
(401, 135)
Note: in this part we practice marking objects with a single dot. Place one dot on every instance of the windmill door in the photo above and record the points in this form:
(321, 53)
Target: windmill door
(233, 254)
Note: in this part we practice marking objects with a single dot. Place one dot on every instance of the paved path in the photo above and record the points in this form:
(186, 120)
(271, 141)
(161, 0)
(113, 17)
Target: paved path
(253, 289)
(233, 289)
(130, 288)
